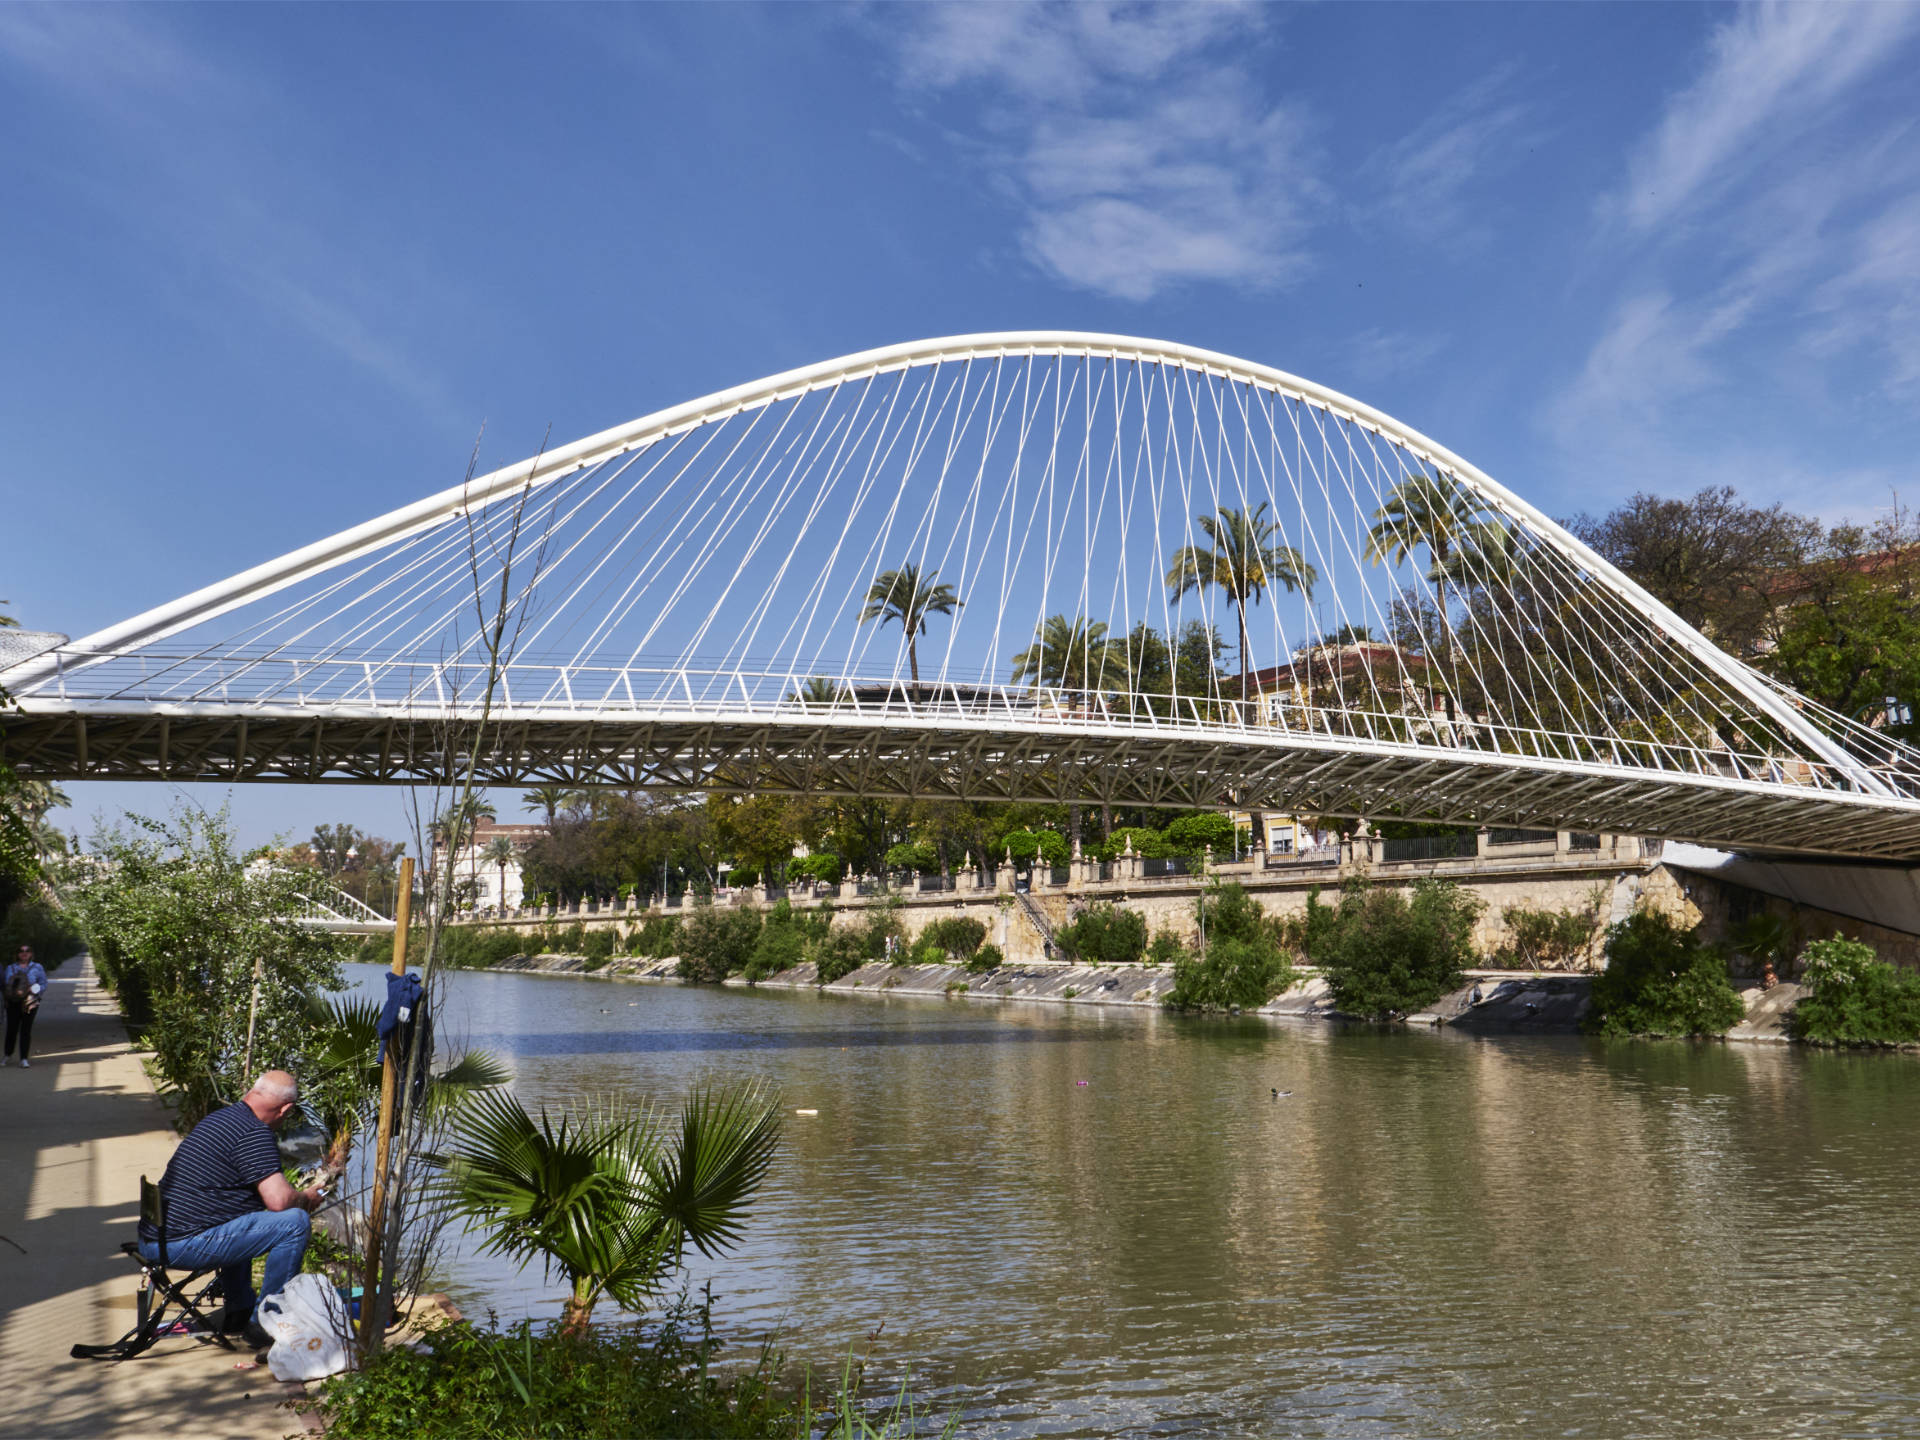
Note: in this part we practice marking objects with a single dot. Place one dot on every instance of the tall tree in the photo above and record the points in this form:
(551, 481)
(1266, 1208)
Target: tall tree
(552, 799)
(1711, 559)
(1424, 510)
(501, 853)
(1073, 655)
(909, 597)
(334, 847)
(1244, 558)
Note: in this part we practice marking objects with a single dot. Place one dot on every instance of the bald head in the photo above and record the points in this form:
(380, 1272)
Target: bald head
(273, 1096)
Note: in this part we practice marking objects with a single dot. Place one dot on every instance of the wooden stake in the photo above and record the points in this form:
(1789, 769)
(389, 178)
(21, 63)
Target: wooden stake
(371, 1286)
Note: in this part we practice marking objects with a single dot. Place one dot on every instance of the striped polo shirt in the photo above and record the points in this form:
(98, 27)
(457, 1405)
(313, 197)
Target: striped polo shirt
(215, 1175)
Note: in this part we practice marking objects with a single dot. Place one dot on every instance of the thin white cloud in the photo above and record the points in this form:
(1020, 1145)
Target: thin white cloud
(1134, 139)
(1420, 181)
(1377, 354)
(1773, 69)
(1650, 357)
(1873, 304)
(1767, 239)
(104, 48)
(190, 179)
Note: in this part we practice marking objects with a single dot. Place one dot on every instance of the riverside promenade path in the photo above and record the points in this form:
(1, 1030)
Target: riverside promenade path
(76, 1133)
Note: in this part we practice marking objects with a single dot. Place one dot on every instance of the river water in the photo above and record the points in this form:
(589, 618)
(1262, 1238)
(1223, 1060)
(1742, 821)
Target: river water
(1093, 1222)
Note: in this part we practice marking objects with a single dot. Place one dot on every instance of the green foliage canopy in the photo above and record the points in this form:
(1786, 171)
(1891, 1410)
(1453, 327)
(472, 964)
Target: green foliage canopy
(1662, 979)
(177, 924)
(1854, 998)
(1241, 964)
(1386, 954)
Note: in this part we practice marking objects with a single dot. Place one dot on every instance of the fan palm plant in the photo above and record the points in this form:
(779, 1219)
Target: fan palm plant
(611, 1197)
(342, 1072)
(1243, 557)
(1767, 938)
(909, 597)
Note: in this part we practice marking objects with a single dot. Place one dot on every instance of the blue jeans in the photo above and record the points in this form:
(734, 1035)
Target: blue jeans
(280, 1235)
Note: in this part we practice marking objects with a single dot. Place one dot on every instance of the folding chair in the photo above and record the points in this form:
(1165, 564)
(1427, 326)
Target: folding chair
(167, 1306)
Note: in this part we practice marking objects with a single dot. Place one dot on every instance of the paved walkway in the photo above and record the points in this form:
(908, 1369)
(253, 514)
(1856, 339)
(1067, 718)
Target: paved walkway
(76, 1133)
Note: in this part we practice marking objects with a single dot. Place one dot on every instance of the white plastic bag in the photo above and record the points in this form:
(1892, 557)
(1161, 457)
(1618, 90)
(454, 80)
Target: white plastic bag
(309, 1327)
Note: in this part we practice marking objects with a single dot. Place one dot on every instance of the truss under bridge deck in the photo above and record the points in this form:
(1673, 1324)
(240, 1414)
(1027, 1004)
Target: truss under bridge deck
(1034, 566)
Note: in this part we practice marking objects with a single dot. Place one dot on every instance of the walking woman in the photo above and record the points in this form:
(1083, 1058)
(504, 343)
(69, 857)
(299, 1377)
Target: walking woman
(24, 982)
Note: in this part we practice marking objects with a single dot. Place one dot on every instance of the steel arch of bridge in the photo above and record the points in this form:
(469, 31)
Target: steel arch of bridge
(674, 549)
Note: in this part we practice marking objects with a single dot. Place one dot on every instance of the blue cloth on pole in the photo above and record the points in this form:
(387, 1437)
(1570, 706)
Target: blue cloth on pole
(404, 994)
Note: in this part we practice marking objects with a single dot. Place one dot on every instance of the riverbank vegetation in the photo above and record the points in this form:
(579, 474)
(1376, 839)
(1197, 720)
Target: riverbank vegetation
(668, 1380)
(1105, 935)
(1662, 979)
(1386, 954)
(206, 955)
(30, 913)
(1239, 960)
(1853, 998)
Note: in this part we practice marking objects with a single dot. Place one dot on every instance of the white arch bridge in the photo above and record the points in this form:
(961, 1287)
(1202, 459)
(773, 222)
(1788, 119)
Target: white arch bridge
(712, 597)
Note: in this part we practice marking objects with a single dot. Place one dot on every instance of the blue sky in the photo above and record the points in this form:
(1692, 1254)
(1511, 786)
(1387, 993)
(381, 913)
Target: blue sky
(267, 271)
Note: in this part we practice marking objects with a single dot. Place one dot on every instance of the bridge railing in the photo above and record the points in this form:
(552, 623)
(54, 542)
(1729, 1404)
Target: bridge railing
(269, 684)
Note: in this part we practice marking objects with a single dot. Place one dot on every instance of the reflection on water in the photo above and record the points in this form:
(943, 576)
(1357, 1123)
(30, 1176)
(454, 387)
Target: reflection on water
(1432, 1235)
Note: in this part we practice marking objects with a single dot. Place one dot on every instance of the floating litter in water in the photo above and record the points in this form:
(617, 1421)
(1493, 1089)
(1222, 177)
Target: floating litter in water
(806, 1112)
(1079, 1082)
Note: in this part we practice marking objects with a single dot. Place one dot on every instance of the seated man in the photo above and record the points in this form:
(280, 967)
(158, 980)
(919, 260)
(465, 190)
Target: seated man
(227, 1202)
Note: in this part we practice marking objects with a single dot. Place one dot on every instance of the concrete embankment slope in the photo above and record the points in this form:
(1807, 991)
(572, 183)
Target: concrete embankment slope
(77, 1132)
(1492, 1002)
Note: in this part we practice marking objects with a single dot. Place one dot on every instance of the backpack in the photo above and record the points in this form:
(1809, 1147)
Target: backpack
(19, 986)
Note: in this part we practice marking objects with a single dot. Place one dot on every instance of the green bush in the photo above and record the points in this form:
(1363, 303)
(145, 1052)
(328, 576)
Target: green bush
(1145, 841)
(913, 855)
(464, 947)
(784, 940)
(1192, 834)
(1028, 846)
(1661, 979)
(610, 1383)
(825, 868)
(716, 943)
(188, 938)
(844, 949)
(1546, 939)
(952, 940)
(598, 947)
(987, 957)
(1241, 965)
(658, 936)
(1166, 949)
(839, 954)
(1386, 954)
(51, 931)
(740, 879)
(1105, 935)
(1853, 998)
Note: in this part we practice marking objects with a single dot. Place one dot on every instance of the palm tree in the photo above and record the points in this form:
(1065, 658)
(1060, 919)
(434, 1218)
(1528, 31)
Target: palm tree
(462, 817)
(1768, 938)
(907, 596)
(1428, 510)
(610, 1198)
(819, 690)
(501, 853)
(552, 799)
(1071, 655)
(1243, 557)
